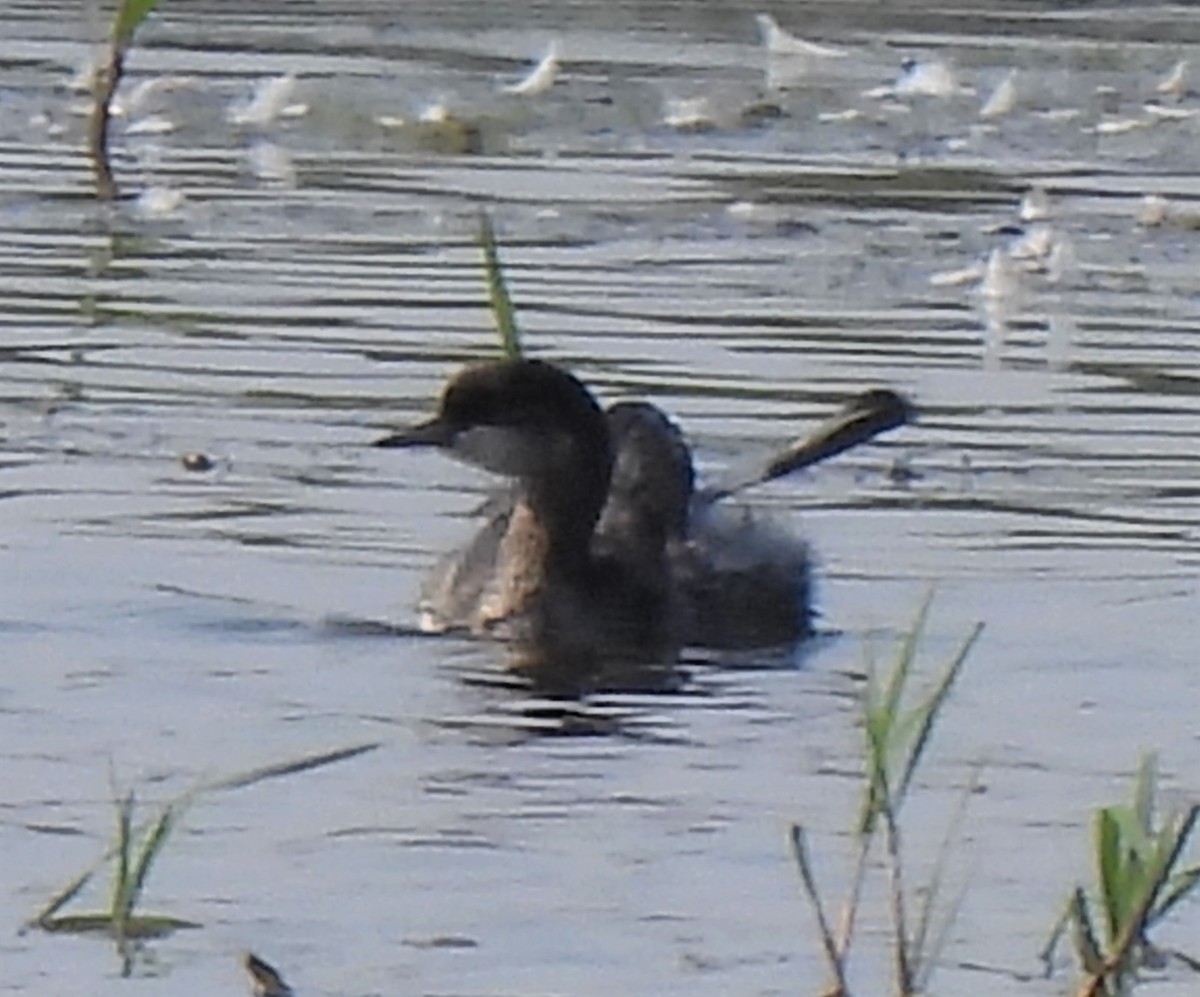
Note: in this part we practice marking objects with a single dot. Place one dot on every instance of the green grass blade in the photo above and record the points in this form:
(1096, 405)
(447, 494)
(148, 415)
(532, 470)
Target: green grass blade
(130, 14)
(894, 688)
(302, 764)
(124, 851)
(1145, 788)
(876, 727)
(504, 314)
(139, 927)
(79, 924)
(1110, 873)
(148, 926)
(63, 897)
(928, 712)
(152, 846)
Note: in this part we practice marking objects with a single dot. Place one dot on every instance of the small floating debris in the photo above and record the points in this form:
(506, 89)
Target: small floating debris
(779, 42)
(850, 114)
(1035, 244)
(1035, 205)
(271, 163)
(440, 128)
(42, 121)
(1002, 100)
(689, 114)
(759, 113)
(139, 99)
(928, 79)
(958, 278)
(933, 78)
(83, 80)
(159, 201)
(901, 472)
(1164, 113)
(1121, 126)
(541, 78)
(998, 278)
(152, 124)
(270, 100)
(1001, 278)
(442, 942)
(1175, 83)
(1061, 262)
(437, 113)
(1153, 211)
(197, 462)
(1156, 211)
(265, 979)
(1057, 115)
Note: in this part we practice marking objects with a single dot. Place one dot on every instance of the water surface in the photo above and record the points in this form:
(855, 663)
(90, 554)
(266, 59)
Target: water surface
(288, 288)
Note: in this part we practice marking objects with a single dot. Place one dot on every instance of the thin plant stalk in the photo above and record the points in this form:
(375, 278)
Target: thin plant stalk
(891, 837)
(896, 737)
(850, 907)
(833, 955)
(119, 910)
(922, 944)
(104, 86)
(129, 15)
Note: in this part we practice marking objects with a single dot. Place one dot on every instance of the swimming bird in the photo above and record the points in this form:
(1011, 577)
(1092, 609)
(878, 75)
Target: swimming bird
(568, 608)
(698, 572)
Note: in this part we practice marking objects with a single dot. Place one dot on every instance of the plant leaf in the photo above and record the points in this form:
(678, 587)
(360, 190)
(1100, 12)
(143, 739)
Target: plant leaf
(1145, 788)
(63, 897)
(1113, 887)
(130, 14)
(139, 926)
(152, 845)
(279, 769)
(503, 312)
(929, 710)
(124, 849)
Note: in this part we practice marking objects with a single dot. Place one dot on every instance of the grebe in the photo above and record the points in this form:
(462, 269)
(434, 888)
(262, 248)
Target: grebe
(605, 548)
(569, 608)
